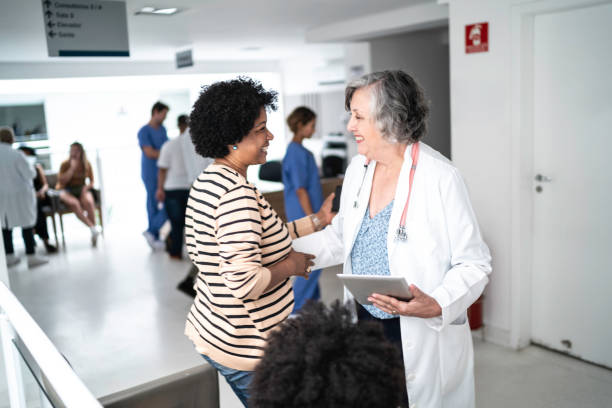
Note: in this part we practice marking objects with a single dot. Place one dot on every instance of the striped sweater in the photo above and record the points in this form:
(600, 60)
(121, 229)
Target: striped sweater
(233, 236)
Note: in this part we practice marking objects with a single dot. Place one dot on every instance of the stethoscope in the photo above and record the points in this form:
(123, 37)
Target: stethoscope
(400, 234)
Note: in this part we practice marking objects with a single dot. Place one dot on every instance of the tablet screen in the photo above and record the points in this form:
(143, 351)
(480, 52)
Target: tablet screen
(362, 286)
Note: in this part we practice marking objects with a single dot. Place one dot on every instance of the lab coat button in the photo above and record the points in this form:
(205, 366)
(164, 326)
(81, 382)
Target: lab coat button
(410, 377)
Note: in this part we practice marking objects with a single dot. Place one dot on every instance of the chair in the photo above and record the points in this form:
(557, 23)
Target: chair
(59, 208)
(333, 166)
(271, 171)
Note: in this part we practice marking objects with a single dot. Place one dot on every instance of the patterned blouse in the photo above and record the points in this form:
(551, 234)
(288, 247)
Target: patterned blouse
(369, 255)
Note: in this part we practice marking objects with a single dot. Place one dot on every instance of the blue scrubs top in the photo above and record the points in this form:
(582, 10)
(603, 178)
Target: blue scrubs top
(300, 171)
(149, 136)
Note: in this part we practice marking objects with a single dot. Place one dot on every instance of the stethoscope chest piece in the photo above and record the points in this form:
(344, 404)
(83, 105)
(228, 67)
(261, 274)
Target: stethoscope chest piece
(401, 234)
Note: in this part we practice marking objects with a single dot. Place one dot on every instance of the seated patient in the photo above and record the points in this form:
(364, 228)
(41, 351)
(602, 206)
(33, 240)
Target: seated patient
(322, 359)
(75, 189)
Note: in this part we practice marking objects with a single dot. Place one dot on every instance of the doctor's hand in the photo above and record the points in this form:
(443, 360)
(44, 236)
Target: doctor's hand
(421, 305)
(325, 214)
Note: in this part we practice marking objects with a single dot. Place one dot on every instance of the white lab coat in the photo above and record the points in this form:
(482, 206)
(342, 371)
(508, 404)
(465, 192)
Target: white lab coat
(17, 196)
(444, 256)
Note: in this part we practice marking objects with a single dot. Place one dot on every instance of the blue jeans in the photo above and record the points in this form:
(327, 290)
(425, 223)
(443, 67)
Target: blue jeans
(238, 380)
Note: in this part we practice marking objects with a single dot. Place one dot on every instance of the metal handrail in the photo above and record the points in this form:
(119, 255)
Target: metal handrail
(66, 384)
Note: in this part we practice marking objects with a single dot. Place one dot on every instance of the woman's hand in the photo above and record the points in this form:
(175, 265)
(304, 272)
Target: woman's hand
(296, 263)
(302, 263)
(421, 305)
(325, 214)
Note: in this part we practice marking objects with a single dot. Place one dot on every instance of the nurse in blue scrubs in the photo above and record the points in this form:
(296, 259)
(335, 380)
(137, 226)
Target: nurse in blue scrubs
(303, 194)
(151, 137)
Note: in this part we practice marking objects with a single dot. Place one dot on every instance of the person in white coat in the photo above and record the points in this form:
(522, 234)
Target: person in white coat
(405, 211)
(17, 200)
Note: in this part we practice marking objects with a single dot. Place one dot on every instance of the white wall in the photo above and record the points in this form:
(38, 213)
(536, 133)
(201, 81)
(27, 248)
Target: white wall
(424, 55)
(481, 143)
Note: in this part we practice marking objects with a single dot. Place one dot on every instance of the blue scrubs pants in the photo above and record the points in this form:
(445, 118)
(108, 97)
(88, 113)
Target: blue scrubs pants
(157, 216)
(306, 289)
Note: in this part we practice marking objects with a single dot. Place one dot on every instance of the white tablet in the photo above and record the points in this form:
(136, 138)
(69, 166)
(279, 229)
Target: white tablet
(362, 286)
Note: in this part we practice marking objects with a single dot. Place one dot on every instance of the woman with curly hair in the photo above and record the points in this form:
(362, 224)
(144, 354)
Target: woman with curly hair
(321, 358)
(405, 211)
(240, 246)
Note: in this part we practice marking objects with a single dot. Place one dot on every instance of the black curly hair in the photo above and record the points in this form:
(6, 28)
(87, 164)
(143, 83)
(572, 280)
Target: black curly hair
(322, 359)
(225, 112)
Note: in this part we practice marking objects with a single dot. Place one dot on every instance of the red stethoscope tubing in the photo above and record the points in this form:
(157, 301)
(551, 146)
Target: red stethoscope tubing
(414, 154)
(415, 160)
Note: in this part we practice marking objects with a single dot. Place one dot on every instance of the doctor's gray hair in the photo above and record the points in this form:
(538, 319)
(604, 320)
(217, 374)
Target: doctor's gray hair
(398, 104)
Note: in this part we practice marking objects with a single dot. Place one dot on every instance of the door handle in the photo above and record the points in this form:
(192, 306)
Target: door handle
(542, 179)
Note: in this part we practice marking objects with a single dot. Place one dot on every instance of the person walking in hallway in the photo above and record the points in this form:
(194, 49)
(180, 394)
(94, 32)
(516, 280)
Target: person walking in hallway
(17, 200)
(151, 137)
(173, 185)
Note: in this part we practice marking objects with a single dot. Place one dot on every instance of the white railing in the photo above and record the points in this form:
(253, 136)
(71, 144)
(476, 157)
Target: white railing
(15, 320)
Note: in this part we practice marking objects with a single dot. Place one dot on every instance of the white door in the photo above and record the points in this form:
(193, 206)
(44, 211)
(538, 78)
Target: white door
(572, 254)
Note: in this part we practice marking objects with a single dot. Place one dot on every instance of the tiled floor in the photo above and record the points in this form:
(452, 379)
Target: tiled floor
(115, 314)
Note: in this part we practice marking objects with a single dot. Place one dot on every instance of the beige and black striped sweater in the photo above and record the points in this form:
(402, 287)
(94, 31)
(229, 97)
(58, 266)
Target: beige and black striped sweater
(233, 236)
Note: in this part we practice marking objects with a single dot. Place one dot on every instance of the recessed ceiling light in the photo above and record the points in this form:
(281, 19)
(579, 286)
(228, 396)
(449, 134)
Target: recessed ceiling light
(167, 11)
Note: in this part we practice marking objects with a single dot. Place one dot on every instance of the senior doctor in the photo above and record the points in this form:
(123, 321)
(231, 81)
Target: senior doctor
(405, 211)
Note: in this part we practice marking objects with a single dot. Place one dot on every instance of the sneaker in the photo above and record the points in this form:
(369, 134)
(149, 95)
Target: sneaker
(159, 245)
(51, 249)
(155, 244)
(95, 233)
(186, 286)
(36, 260)
(12, 260)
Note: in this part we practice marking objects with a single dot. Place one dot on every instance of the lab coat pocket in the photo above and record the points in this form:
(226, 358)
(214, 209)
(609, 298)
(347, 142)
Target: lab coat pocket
(454, 355)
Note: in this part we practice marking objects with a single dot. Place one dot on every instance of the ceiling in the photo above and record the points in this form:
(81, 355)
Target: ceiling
(215, 29)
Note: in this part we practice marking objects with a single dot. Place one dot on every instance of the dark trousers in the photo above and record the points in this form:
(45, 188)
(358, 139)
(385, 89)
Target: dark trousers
(176, 206)
(41, 221)
(28, 240)
(393, 334)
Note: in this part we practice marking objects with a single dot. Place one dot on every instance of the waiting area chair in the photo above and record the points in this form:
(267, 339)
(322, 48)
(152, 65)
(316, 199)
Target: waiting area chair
(58, 208)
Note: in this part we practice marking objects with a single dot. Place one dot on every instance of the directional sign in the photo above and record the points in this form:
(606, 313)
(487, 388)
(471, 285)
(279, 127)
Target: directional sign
(78, 28)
